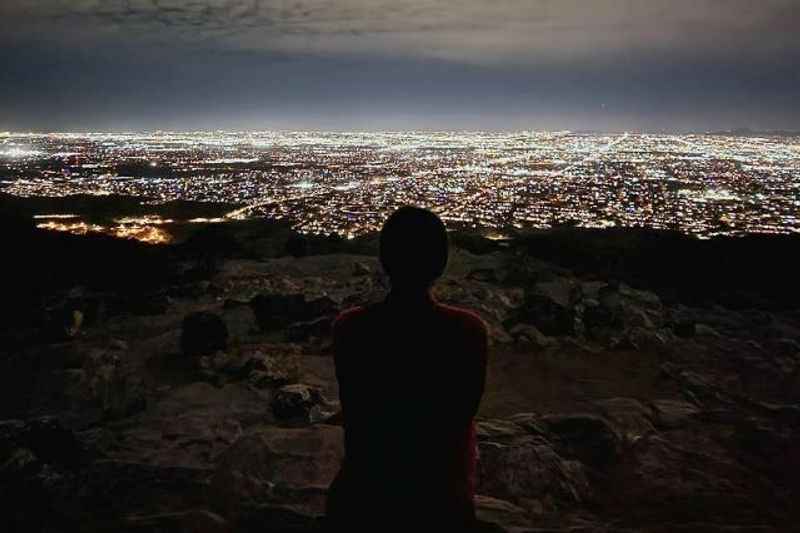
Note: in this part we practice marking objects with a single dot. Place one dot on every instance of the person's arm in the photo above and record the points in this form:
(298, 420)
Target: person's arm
(478, 348)
(343, 347)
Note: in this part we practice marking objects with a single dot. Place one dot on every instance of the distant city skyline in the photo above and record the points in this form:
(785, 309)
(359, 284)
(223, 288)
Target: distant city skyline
(605, 65)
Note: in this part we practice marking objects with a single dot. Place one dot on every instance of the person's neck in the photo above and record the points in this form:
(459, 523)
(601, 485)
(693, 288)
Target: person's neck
(402, 295)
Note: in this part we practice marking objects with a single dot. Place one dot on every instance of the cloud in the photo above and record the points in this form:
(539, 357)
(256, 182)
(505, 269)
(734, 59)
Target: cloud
(507, 32)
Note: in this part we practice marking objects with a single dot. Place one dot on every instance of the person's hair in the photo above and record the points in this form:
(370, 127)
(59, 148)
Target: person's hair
(413, 247)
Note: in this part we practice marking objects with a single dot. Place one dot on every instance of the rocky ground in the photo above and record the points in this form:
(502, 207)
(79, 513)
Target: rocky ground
(208, 403)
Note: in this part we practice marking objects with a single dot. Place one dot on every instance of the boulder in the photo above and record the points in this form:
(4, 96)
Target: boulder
(191, 521)
(553, 308)
(673, 414)
(302, 331)
(530, 468)
(529, 334)
(275, 369)
(643, 298)
(274, 311)
(361, 269)
(40, 463)
(300, 403)
(700, 482)
(203, 333)
(703, 330)
(630, 417)
(516, 465)
(684, 327)
(597, 316)
(499, 515)
(278, 466)
(588, 438)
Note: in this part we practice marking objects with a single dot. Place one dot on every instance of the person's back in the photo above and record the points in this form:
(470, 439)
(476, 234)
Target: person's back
(411, 374)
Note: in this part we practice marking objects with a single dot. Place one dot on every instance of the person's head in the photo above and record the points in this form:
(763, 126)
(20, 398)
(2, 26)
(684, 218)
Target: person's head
(413, 248)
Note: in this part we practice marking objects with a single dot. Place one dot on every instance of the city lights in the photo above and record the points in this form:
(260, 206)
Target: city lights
(346, 183)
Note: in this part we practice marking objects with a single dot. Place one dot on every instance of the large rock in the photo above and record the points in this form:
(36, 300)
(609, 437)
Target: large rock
(528, 334)
(630, 417)
(275, 311)
(553, 307)
(203, 333)
(278, 466)
(40, 463)
(588, 438)
(191, 521)
(692, 481)
(673, 414)
(191, 425)
(499, 515)
(104, 387)
(301, 403)
(302, 331)
(518, 466)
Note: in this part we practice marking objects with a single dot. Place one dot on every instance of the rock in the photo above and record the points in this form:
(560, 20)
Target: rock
(139, 304)
(299, 402)
(629, 416)
(577, 346)
(637, 338)
(192, 521)
(685, 328)
(279, 518)
(485, 275)
(274, 311)
(552, 307)
(700, 482)
(302, 331)
(636, 317)
(497, 429)
(673, 414)
(526, 333)
(597, 316)
(119, 345)
(275, 370)
(787, 346)
(588, 438)
(526, 467)
(278, 466)
(46, 440)
(203, 333)
(610, 299)
(497, 333)
(644, 298)
(703, 330)
(40, 462)
(499, 513)
(125, 496)
(103, 388)
(361, 269)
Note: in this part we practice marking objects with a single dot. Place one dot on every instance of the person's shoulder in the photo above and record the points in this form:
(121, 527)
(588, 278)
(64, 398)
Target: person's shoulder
(466, 318)
(352, 317)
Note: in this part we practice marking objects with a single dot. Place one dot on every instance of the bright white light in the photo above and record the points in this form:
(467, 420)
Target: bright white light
(18, 153)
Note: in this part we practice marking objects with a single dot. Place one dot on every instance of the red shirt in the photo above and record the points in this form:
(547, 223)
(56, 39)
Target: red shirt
(411, 375)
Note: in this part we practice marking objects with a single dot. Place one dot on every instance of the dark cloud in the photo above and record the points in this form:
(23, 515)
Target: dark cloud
(599, 63)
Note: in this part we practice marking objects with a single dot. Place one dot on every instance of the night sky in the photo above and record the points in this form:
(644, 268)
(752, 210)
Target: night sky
(399, 64)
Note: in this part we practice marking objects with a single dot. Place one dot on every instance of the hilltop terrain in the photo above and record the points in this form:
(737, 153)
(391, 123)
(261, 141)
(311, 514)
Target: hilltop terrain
(637, 381)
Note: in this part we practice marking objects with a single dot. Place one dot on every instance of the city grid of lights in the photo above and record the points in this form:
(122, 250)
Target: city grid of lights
(347, 183)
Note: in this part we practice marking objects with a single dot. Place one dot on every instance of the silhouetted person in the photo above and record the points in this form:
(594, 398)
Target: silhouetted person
(411, 374)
